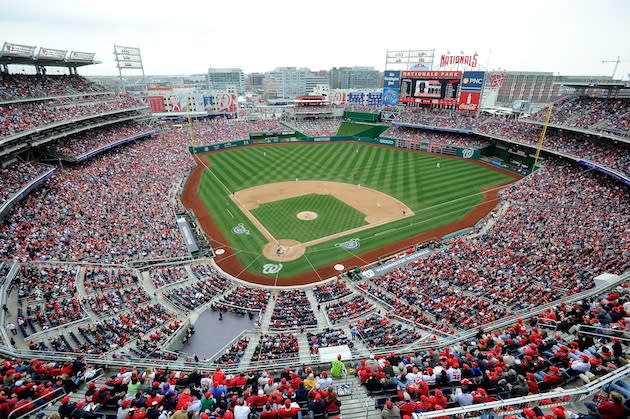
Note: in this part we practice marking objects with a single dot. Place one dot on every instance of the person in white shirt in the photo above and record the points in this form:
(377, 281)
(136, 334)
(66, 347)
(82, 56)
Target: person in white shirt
(324, 381)
(241, 410)
(580, 365)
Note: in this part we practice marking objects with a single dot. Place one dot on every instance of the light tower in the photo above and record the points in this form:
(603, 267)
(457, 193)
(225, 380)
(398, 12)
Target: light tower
(617, 61)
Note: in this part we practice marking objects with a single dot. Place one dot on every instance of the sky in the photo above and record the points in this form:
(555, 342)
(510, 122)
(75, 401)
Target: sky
(187, 37)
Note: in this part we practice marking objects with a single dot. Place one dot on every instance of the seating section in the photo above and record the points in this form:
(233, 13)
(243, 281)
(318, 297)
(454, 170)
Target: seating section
(232, 356)
(220, 130)
(279, 346)
(331, 291)
(348, 309)
(292, 311)
(601, 115)
(101, 211)
(379, 332)
(243, 300)
(115, 301)
(18, 175)
(46, 297)
(19, 117)
(327, 337)
(198, 293)
(512, 362)
(599, 150)
(103, 279)
(316, 127)
(77, 145)
(23, 86)
(31, 383)
(434, 138)
(167, 275)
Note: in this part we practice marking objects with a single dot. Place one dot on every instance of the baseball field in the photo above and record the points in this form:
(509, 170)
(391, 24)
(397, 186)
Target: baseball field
(295, 210)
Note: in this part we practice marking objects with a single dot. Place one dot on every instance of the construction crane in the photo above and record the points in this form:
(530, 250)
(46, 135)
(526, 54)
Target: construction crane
(617, 61)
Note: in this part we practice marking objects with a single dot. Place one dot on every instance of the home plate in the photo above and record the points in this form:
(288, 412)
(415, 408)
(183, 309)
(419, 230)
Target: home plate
(219, 251)
(339, 267)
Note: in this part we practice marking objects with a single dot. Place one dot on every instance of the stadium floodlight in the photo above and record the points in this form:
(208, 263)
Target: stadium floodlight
(617, 61)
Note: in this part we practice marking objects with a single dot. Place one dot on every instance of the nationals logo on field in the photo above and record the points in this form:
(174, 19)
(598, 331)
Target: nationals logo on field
(350, 244)
(240, 229)
(271, 268)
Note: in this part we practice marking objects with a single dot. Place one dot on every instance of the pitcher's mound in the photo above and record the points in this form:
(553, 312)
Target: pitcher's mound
(284, 250)
(306, 215)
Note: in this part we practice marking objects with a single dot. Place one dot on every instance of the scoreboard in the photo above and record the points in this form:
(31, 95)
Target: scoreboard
(429, 87)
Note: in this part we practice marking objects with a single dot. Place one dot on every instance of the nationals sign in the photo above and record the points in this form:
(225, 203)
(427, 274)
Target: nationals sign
(457, 60)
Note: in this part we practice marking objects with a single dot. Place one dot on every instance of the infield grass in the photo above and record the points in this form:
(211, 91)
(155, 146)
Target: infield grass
(438, 196)
(280, 217)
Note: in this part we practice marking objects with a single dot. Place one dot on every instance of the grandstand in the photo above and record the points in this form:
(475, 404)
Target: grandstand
(526, 311)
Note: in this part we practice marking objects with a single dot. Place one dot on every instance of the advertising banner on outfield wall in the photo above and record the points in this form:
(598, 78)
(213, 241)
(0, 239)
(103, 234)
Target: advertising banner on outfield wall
(356, 98)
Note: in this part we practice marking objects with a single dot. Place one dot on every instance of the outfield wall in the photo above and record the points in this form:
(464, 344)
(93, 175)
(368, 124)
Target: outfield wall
(467, 153)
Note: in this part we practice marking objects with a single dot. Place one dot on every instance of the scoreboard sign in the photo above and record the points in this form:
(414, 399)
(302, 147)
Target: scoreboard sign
(430, 87)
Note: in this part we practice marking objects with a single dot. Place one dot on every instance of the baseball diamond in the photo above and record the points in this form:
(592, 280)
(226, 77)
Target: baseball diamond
(378, 197)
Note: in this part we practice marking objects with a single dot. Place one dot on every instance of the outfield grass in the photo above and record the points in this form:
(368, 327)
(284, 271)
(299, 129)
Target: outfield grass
(279, 217)
(438, 196)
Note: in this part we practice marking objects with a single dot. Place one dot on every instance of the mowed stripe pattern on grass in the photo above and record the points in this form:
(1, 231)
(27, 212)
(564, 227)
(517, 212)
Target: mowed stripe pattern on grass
(280, 217)
(438, 196)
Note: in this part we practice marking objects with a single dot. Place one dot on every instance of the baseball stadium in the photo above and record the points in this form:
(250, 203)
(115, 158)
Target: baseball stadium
(396, 252)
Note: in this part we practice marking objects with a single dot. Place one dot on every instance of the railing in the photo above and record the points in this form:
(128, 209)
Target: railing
(46, 399)
(516, 405)
(603, 332)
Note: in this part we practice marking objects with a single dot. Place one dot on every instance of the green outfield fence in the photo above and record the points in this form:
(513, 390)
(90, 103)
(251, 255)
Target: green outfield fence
(468, 153)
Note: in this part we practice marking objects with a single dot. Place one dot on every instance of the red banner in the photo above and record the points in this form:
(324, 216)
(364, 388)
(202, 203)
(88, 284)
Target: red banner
(156, 103)
(469, 101)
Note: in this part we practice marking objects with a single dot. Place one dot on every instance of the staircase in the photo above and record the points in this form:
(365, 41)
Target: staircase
(359, 405)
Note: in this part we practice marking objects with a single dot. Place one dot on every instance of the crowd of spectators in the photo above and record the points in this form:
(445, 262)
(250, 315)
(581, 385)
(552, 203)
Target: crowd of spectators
(327, 337)
(87, 141)
(26, 86)
(111, 208)
(602, 151)
(107, 334)
(17, 175)
(218, 130)
(98, 278)
(438, 118)
(198, 293)
(25, 116)
(594, 114)
(292, 311)
(378, 332)
(29, 384)
(244, 299)
(159, 393)
(233, 355)
(316, 127)
(114, 301)
(513, 362)
(439, 139)
(350, 308)
(331, 291)
(167, 275)
(46, 297)
(278, 346)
